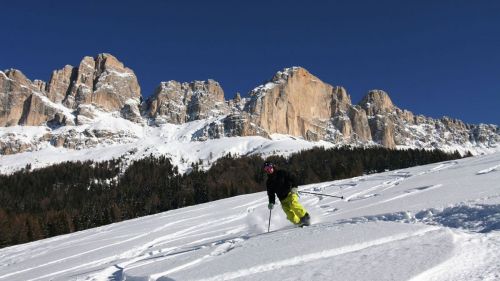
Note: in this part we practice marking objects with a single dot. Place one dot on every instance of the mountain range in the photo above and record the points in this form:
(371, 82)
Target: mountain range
(68, 112)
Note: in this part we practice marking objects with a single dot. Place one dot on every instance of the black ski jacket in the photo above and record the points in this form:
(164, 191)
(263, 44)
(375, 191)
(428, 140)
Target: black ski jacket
(280, 182)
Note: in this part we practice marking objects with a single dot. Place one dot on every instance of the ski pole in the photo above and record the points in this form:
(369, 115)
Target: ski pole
(269, 225)
(341, 197)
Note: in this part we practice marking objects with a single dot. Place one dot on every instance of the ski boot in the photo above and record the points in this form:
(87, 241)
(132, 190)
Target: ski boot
(305, 220)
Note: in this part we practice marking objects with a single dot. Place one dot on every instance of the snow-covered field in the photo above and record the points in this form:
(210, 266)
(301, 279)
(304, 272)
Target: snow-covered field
(433, 222)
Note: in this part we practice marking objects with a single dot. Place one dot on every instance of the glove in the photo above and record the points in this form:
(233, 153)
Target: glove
(270, 206)
(295, 190)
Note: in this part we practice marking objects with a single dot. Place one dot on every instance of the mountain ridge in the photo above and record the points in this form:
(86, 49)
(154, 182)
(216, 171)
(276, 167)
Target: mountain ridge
(293, 102)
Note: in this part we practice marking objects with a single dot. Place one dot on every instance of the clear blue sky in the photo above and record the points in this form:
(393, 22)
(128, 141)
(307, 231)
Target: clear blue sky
(433, 57)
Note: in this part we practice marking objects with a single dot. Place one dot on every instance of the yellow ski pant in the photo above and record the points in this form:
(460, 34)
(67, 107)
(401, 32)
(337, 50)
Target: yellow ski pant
(293, 209)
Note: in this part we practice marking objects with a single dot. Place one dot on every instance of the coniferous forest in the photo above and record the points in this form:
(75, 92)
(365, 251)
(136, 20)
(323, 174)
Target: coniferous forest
(73, 196)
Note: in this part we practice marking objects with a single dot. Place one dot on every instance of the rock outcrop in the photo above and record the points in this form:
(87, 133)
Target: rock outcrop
(177, 103)
(377, 102)
(378, 107)
(102, 82)
(15, 89)
(294, 102)
(297, 103)
(60, 82)
(359, 120)
(23, 102)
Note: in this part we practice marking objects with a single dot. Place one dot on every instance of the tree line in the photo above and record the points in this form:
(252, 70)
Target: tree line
(73, 196)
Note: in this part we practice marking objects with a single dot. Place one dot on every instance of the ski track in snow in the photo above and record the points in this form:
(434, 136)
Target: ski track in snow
(455, 201)
(476, 258)
(489, 170)
(309, 257)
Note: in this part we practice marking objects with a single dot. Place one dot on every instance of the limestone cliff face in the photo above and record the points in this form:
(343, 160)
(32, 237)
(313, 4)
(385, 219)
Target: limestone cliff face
(297, 103)
(341, 102)
(294, 102)
(360, 126)
(23, 102)
(114, 84)
(60, 83)
(167, 103)
(81, 85)
(103, 82)
(175, 102)
(38, 110)
(378, 106)
(206, 101)
(15, 89)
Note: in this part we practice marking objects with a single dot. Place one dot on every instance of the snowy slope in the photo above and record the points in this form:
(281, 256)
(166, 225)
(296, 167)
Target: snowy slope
(137, 142)
(109, 136)
(433, 222)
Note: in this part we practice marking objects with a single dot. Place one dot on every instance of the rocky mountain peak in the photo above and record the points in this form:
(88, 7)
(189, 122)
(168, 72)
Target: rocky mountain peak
(175, 102)
(114, 84)
(293, 102)
(108, 62)
(286, 73)
(17, 75)
(209, 87)
(103, 82)
(377, 101)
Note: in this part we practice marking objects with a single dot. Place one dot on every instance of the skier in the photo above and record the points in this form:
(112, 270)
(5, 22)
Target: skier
(282, 184)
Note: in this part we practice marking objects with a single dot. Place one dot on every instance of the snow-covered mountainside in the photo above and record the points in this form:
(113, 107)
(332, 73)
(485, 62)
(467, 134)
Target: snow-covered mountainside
(98, 107)
(433, 222)
(111, 136)
(130, 141)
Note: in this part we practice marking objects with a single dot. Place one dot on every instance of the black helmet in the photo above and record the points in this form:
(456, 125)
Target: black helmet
(268, 164)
